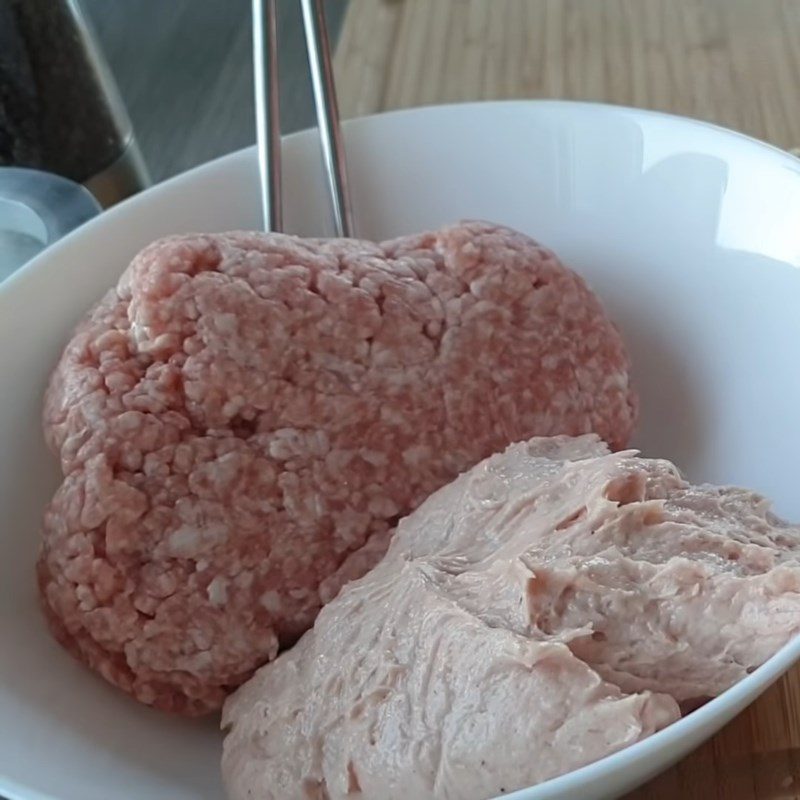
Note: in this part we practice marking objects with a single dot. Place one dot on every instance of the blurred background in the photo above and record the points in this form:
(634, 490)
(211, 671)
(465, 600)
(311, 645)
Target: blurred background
(184, 70)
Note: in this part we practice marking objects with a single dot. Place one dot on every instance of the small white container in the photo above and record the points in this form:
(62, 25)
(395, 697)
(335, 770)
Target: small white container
(36, 210)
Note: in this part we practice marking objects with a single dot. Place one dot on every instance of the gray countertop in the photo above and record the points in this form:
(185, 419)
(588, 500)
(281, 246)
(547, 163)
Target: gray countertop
(184, 70)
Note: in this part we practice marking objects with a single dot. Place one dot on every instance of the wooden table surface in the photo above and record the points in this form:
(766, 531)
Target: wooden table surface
(734, 62)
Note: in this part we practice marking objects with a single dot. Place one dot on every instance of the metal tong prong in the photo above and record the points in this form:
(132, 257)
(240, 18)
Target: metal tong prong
(267, 105)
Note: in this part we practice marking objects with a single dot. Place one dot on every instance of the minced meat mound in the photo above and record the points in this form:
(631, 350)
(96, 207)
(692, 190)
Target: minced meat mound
(244, 418)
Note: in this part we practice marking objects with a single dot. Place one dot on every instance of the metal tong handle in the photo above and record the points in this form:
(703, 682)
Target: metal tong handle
(267, 103)
(265, 64)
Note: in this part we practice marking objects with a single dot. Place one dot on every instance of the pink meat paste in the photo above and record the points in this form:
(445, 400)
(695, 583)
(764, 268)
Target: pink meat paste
(243, 419)
(551, 606)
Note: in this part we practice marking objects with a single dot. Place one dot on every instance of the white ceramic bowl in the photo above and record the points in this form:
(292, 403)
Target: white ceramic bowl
(688, 232)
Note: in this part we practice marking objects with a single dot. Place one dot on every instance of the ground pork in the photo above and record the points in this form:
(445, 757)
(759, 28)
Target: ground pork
(547, 608)
(243, 419)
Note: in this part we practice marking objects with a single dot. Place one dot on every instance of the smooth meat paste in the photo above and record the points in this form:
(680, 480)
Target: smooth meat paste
(244, 418)
(551, 606)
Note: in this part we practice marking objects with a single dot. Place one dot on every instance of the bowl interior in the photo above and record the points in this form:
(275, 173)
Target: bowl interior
(688, 233)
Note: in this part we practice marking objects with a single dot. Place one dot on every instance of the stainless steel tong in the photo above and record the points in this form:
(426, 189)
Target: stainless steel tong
(265, 65)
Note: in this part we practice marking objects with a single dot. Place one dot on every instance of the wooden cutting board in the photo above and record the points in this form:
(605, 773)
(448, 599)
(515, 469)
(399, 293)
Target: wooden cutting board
(733, 62)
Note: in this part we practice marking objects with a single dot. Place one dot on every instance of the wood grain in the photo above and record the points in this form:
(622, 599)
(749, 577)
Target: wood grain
(733, 62)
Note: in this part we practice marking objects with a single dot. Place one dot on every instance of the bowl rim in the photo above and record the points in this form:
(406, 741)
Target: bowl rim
(223, 162)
